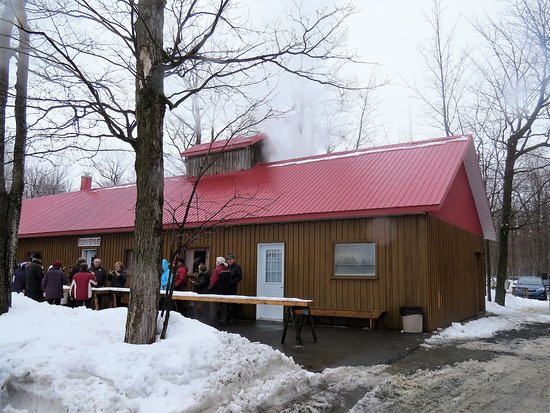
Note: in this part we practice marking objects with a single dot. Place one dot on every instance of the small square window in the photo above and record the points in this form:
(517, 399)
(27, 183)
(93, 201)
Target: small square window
(355, 259)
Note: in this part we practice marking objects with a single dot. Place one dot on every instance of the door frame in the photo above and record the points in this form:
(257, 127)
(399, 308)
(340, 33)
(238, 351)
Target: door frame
(269, 312)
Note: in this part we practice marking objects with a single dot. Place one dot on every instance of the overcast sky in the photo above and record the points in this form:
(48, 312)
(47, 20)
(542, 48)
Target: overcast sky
(390, 33)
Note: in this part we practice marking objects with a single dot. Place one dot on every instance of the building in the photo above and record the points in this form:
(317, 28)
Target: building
(380, 228)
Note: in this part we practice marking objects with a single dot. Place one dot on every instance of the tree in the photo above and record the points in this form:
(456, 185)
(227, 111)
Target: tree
(10, 200)
(41, 180)
(126, 41)
(515, 91)
(111, 169)
(445, 75)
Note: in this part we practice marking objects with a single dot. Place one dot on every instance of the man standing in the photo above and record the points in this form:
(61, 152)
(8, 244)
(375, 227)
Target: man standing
(33, 278)
(100, 273)
(236, 277)
(101, 277)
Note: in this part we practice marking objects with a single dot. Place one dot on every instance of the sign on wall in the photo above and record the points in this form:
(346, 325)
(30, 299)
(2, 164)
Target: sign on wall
(89, 242)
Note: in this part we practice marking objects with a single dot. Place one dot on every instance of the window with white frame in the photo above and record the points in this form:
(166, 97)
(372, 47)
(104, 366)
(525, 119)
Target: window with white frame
(355, 259)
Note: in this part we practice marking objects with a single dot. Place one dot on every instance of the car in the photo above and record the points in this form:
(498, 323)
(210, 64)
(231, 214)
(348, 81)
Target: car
(530, 287)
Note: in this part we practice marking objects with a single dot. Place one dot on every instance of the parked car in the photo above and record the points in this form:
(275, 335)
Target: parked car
(534, 286)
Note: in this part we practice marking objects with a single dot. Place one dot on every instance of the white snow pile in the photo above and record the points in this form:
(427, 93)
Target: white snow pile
(517, 312)
(55, 358)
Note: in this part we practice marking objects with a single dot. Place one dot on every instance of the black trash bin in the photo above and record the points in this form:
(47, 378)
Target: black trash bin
(412, 319)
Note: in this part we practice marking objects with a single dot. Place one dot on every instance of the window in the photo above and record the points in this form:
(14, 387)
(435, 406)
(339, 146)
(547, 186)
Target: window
(273, 266)
(355, 259)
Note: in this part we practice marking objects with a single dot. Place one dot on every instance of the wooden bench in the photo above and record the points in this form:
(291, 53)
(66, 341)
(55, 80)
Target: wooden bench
(371, 315)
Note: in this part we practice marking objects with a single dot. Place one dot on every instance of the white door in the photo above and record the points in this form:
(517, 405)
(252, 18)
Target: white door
(270, 279)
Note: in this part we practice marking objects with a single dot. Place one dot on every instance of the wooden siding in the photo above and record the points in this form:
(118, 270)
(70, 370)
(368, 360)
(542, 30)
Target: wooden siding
(420, 261)
(455, 274)
(236, 160)
(113, 248)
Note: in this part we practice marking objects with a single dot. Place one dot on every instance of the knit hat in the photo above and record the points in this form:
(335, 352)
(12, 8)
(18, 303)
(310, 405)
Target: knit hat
(56, 264)
(220, 260)
(37, 257)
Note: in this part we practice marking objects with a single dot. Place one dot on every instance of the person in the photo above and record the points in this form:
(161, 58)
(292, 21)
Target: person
(165, 274)
(219, 284)
(180, 284)
(181, 276)
(76, 268)
(33, 278)
(200, 285)
(118, 277)
(236, 277)
(81, 287)
(72, 272)
(18, 284)
(196, 262)
(101, 275)
(53, 283)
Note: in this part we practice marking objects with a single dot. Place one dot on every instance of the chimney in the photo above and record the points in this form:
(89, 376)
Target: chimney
(85, 182)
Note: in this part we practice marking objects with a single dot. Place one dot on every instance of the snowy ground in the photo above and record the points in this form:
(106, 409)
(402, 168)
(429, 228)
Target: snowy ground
(57, 359)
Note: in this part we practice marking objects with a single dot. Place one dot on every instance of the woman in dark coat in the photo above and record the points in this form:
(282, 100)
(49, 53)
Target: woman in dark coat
(53, 283)
(118, 277)
(18, 285)
(200, 285)
(33, 278)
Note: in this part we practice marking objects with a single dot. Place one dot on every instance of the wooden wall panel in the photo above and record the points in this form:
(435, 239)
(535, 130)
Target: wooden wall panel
(421, 261)
(455, 274)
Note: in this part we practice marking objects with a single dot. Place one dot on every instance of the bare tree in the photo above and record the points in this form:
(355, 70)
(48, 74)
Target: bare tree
(10, 200)
(515, 91)
(155, 45)
(445, 75)
(111, 169)
(41, 180)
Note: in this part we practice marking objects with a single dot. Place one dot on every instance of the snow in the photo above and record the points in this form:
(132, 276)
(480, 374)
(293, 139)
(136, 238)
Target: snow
(55, 358)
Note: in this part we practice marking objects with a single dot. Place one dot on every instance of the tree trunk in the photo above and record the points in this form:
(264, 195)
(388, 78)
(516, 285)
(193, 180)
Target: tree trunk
(6, 268)
(504, 230)
(141, 323)
(488, 268)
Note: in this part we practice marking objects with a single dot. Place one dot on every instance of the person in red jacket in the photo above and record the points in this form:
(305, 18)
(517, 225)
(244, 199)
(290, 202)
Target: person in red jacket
(180, 284)
(81, 287)
(219, 284)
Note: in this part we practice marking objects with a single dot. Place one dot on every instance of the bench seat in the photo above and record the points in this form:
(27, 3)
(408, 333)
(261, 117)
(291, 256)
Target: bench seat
(371, 315)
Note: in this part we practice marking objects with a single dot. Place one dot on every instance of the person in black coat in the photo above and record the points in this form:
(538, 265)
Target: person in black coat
(118, 277)
(33, 278)
(53, 283)
(200, 285)
(219, 284)
(18, 285)
(101, 274)
(236, 277)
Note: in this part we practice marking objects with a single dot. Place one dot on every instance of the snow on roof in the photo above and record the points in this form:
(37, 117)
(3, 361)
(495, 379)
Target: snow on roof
(407, 178)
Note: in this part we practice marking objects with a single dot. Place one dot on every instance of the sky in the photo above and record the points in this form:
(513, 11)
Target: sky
(391, 33)
(55, 358)
(388, 34)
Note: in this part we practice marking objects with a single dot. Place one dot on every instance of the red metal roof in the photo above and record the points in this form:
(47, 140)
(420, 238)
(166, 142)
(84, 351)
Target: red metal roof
(224, 145)
(406, 178)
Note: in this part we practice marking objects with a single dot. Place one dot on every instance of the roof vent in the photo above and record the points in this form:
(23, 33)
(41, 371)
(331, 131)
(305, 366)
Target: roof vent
(86, 182)
(229, 155)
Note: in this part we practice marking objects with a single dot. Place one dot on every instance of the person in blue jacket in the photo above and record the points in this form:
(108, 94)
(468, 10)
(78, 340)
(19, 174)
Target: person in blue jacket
(165, 274)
